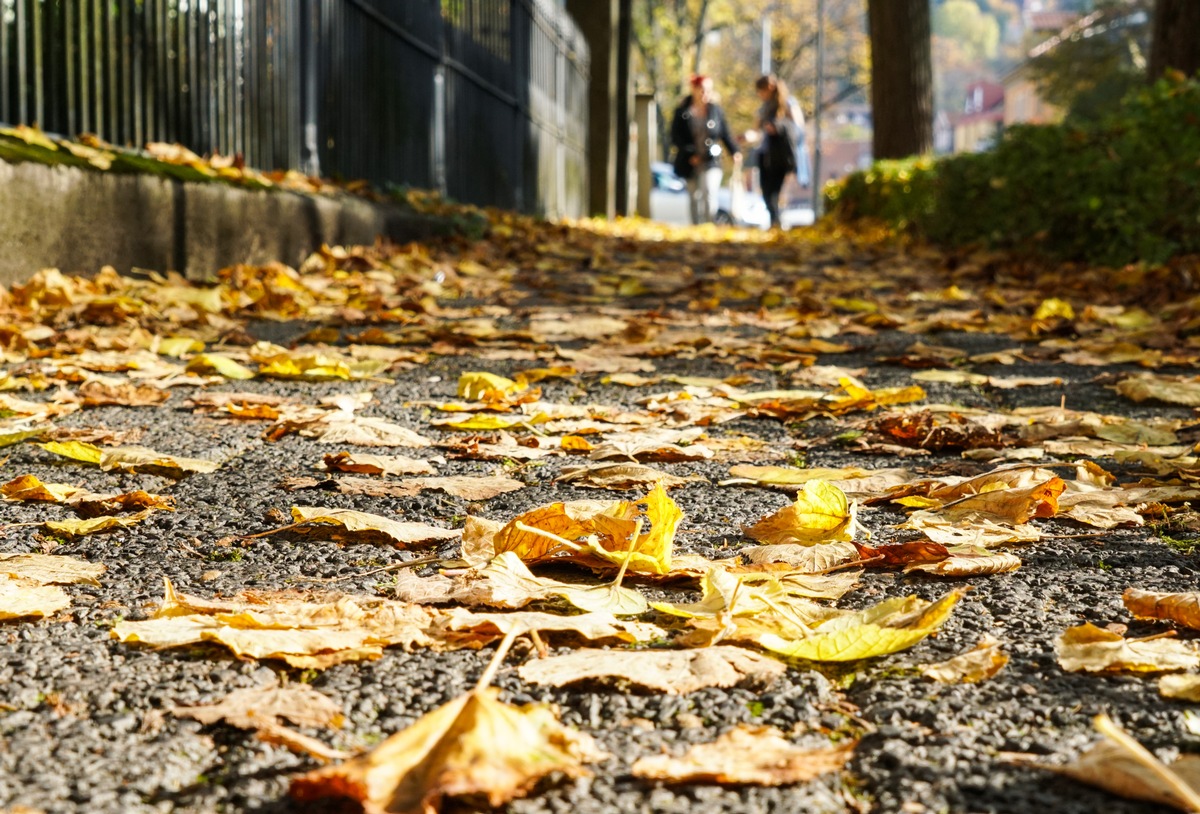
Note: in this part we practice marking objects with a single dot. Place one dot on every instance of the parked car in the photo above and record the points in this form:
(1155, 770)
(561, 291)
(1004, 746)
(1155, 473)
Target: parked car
(669, 204)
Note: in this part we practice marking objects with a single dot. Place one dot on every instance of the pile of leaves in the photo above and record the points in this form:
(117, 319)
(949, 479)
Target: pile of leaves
(1113, 191)
(573, 348)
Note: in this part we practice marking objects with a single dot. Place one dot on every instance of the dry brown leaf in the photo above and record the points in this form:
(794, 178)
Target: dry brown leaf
(98, 394)
(473, 747)
(1013, 505)
(623, 477)
(261, 710)
(746, 754)
(305, 634)
(1182, 609)
(351, 526)
(969, 561)
(804, 558)
(669, 671)
(978, 664)
(1166, 389)
(364, 464)
(1124, 767)
(1091, 649)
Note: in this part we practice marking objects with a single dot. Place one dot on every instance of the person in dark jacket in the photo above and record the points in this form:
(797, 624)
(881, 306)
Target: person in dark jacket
(698, 131)
(781, 123)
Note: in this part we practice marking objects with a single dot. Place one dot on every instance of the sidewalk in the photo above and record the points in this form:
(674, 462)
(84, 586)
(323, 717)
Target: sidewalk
(740, 364)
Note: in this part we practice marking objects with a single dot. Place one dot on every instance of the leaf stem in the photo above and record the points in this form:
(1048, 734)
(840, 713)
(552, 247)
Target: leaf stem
(490, 671)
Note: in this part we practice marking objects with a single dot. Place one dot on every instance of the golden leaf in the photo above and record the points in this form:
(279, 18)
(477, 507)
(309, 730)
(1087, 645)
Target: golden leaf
(1091, 649)
(75, 450)
(1182, 609)
(746, 754)
(144, 460)
(207, 363)
(479, 386)
(29, 487)
(891, 626)
(474, 746)
(308, 635)
(506, 582)
(94, 525)
(821, 513)
(623, 477)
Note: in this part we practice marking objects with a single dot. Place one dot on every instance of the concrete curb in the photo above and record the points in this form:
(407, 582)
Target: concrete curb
(78, 220)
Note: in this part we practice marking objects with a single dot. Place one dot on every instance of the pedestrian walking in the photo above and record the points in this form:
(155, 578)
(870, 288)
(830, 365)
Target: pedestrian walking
(781, 123)
(700, 135)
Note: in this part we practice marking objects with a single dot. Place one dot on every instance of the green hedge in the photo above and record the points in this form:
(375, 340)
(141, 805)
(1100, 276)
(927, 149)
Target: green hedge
(1124, 189)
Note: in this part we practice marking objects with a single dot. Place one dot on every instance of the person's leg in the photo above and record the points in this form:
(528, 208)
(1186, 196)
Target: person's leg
(695, 189)
(772, 183)
(712, 191)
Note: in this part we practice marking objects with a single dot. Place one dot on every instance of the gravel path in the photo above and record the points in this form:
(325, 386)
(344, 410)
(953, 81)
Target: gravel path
(85, 722)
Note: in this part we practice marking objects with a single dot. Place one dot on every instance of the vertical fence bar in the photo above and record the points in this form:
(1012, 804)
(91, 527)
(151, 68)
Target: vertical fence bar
(22, 85)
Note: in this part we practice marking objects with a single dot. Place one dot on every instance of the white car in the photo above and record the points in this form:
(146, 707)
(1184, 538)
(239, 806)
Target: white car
(669, 204)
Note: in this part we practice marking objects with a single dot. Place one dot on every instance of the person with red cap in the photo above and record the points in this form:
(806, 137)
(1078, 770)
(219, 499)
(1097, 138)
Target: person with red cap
(698, 131)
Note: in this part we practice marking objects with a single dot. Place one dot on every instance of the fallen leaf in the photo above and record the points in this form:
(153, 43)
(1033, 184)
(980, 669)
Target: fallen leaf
(506, 582)
(756, 755)
(346, 525)
(21, 598)
(821, 513)
(94, 525)
(364, 464)
(145, 460)
(1122, 766)
(673, 672)
(50, 569)
(1181, 687)
(263, 708)
(98, 394)
(1087, 648)
(978, 664)
(1184, 390)
(623, 477)
(803, 558)
(29, 487)
(968, 561)
(307, 635)
(1182, 609)
(891, 626)
(473, 747)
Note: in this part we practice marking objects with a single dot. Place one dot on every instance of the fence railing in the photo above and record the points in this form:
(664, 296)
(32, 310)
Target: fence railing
(482, 99)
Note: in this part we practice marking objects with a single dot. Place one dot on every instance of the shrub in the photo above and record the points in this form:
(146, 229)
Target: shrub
(1123, 189)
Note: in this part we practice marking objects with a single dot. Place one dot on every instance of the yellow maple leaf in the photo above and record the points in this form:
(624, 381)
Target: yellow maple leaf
(820, 514)
(891, 626)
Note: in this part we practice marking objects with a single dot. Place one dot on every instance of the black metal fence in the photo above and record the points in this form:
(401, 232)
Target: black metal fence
(485, 100)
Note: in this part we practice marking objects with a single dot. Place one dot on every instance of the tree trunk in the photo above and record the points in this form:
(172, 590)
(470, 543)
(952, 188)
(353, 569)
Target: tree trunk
(1176, 43)
(902, 77)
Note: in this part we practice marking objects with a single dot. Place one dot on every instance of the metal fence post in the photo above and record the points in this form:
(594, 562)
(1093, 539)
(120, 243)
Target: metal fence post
(437, 146)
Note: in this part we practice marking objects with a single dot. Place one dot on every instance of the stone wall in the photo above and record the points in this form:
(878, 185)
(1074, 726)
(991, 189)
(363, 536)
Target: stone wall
(78, 220)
